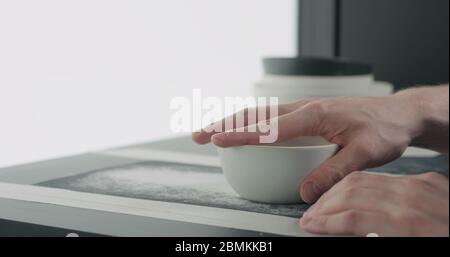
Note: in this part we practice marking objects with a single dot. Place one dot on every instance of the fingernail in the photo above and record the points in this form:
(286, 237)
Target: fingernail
(208, 129)
(312, 190)
(218, 140)
(309, 213)
(304, 220)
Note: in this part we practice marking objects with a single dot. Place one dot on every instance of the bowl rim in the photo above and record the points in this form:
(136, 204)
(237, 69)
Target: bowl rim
(267, 146)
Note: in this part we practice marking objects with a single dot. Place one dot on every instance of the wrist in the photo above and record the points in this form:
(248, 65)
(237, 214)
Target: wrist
(412, 101)
(429, 120)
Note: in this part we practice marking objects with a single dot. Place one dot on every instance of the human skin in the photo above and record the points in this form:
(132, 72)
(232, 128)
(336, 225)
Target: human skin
(371, 131)
(364, 203)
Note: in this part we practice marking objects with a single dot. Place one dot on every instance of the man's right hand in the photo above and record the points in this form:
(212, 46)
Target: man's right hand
(370, 131)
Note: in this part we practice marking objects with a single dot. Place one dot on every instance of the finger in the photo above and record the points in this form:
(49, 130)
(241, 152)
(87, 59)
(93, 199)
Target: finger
(347, 160)
(204, 136)
(248, 116)
(301, 122)
(359, 223)
(358, 199)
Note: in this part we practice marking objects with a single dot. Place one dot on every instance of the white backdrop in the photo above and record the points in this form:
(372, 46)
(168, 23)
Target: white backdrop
(83, 75)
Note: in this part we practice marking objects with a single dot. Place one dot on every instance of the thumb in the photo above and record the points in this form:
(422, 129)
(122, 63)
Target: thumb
(347, 160)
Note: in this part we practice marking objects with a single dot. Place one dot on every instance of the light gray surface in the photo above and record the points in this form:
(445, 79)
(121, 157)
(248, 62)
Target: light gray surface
(98, 222)
(33, 173)
(119, 224)
(107, 223)
(180, 144)
(170, 182)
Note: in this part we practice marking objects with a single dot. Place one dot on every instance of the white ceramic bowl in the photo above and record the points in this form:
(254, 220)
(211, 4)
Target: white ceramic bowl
(273, 173)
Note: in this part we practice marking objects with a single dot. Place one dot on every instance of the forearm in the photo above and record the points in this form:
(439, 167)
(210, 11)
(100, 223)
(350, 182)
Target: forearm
(431, 105)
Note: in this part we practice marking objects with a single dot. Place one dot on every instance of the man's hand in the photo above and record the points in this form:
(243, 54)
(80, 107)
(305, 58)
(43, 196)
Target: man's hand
(371, 131)
(364, 203)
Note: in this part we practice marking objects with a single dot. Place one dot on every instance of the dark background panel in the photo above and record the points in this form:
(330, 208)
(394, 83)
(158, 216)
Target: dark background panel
(406, 40)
